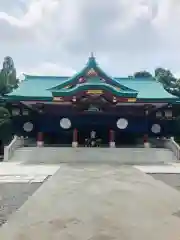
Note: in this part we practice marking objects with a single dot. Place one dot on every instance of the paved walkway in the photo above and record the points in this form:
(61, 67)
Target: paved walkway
(18, 181)
(18, 172)
(171, 168)
(97, 202)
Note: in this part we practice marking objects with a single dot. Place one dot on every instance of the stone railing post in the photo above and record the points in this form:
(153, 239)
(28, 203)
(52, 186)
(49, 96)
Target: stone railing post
(11, 148)
(172, 145)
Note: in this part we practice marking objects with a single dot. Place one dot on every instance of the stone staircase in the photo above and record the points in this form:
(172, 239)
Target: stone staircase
(50, 155)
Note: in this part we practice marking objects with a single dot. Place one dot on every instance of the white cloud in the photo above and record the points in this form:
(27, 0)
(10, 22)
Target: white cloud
(35, 14)
(129, 35)
(47, 68)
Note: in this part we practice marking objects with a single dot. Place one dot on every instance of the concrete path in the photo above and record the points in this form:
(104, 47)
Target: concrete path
(97, 202)
(18, 172)
(13, 195)
(171, 168)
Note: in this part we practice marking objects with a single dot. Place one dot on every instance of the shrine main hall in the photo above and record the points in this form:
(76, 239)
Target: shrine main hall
(65, 110)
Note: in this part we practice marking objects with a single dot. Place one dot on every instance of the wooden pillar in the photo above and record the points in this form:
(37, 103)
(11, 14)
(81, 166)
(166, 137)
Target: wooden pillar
(146, 141)
(112, 143)
(75, 138)
(40, 139)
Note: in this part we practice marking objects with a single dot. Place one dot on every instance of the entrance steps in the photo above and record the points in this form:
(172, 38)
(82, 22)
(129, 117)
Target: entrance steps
(134, 156)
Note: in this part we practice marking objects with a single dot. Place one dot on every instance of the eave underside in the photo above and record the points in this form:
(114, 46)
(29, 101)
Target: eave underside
(50, 99)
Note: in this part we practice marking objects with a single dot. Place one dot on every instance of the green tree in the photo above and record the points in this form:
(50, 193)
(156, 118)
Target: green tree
(143, 74)
(6, 132)
(165, 77)
(4, 115)
(3, 85)
(8, 79)
(170, 83)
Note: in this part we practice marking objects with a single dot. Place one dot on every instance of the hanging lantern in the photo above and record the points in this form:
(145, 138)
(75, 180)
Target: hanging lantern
(15, 112)
(168, 113)
(25, 112)
(158, 114)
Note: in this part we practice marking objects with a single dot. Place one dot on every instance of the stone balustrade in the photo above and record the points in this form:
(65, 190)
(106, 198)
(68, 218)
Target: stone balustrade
(9, 150)
(172, 145)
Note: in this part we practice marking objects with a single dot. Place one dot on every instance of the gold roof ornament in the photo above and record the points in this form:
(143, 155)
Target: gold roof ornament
(92, 73)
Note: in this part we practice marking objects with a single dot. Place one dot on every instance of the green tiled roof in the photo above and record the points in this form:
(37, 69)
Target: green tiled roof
(148, 88)
(44, 87)
(99, 85)
(37, 87)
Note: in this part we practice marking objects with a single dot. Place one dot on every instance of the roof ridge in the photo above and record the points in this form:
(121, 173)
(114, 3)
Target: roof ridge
(136, 79)
(44, 76)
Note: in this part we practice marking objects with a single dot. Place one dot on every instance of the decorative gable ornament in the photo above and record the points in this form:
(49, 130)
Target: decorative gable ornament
(81, 80)
(92, 73)
(68, 86)
(102, 79)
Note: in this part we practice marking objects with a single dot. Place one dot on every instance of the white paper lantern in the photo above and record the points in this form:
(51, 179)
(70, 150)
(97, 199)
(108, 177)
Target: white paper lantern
(25, 112)
(65, 123)
(156, 128)
(15, 111)
(28, 127)
(122, 123)
(168, 113)
(158, 114)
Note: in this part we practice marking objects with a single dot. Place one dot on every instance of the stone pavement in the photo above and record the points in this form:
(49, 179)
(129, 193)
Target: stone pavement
(18, 181)
(19, 173)
(97, 202)
(170, 168)
(13, 195)
(172, 180)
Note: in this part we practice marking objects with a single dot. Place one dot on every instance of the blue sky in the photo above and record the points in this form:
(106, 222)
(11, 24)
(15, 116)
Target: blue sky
(56, 36)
